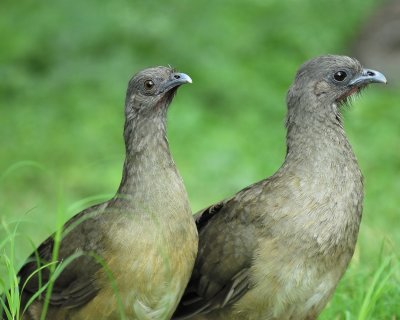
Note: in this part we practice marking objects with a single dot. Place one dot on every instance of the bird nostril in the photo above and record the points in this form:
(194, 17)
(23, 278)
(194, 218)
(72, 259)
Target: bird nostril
(177, 76)
(370, 73)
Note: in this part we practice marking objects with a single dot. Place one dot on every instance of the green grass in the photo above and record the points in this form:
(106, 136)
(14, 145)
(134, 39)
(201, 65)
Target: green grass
(63, 72)
(10, 286)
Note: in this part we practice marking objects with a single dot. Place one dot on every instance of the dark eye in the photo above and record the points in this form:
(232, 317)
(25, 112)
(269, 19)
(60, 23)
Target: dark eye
(148, 84)
(340, 76)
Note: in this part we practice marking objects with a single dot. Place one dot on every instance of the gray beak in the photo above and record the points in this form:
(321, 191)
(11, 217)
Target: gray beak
(181, 77)
(176, 79)
(368, 76)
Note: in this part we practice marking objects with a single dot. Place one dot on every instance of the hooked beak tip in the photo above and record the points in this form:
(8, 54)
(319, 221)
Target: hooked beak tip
(369, 76)
(182, 77)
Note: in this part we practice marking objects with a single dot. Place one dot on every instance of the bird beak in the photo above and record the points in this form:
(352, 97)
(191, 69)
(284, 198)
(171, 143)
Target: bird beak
(181, 78)
(368, 76)
(176, 79)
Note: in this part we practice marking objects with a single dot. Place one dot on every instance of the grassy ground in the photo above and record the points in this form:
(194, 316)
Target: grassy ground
(63, 72)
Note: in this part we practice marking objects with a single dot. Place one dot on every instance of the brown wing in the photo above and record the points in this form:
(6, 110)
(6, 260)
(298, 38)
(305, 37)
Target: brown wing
(227, 235)
(76, 284)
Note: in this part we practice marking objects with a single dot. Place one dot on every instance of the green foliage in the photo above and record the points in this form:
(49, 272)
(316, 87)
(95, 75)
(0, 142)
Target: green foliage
(64, 67)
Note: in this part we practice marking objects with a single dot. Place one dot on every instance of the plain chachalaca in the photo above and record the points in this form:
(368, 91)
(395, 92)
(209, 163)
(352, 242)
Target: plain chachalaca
(134, 253)
(277, 249)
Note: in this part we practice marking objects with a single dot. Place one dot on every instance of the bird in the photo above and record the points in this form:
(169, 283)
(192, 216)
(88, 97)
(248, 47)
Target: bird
(278, 248)
(132, 256)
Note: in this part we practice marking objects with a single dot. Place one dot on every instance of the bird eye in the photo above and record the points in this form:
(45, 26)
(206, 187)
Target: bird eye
(340, 76)
(148, 84)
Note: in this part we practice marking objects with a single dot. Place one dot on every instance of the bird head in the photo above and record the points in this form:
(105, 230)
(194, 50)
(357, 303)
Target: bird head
(153, 89)
(325, 83)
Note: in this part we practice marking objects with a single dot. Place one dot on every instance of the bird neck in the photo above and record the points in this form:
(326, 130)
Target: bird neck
(317, 143)
(148, 157)
(142, 134)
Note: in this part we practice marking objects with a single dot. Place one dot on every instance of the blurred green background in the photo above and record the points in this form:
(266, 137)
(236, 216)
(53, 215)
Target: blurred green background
(64, 68)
